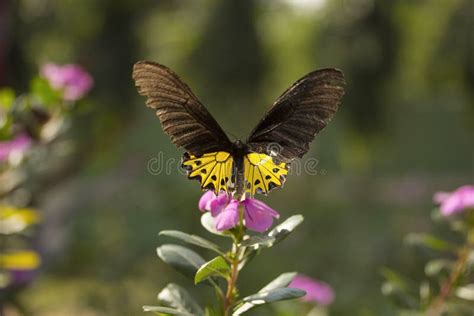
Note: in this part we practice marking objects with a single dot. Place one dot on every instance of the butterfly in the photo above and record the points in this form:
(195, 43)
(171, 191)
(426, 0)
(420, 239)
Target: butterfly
(259, 164)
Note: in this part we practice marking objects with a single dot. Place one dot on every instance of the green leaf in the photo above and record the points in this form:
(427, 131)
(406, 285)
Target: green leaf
(41, 89)
(249, 256)
(5, 126)
(466, 292)
(178, 298)
(281, 231)
(7, 97)
(470, 259)
(258, 242)
(181, 258)
(216, 267)
(279, 294)
(211, 311)
(282, 281)
(191, 239)
(436, 215)
(425, 293)
(161, 310)
(429, 241)
(399, 288)
(395, 278)
(434, 267)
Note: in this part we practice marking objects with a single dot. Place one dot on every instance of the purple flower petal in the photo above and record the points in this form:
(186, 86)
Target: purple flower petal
(457, 201)
(72, 79)
(316, 291)
(20, 144)
(440, 197)
(205, 201)
(258, 216)
(229, 217)
(219, 203)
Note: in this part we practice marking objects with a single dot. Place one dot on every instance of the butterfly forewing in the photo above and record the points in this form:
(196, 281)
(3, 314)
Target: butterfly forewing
(299, 114)
(182, 115)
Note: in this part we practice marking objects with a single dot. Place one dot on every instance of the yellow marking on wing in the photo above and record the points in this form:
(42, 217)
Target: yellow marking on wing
(213, 170)
(262, 174)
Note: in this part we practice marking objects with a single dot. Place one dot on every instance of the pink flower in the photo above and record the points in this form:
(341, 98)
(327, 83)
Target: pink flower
(316, 291)
(456, 201)
(19, 144)
(225, 210)
(215, 204)
(205, 201)
(229, 217)
(258, 216)
(72, 79)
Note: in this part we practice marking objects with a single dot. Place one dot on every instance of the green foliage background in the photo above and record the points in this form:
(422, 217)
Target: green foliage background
(404, 131)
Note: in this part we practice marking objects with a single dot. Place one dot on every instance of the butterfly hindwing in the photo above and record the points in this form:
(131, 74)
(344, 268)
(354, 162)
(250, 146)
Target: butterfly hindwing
(182, 115)
(213, 170)
(262, 173)
(299, 114)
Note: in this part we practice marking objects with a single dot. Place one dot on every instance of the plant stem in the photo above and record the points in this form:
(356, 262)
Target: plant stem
(235, 259)
(231, 284)
(436, 307)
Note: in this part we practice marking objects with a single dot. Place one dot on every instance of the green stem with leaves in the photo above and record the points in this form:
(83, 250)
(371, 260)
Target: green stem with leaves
(232, 281)
(235, 258)
(227, 265)
(437, 306)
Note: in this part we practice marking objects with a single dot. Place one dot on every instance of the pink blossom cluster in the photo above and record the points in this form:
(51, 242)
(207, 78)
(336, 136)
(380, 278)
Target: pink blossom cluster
(257, 216)
(71, 79)
(457, 201)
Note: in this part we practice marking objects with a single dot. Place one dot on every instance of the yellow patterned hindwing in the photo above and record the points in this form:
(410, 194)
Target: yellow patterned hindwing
(262, 174)
(213, 170)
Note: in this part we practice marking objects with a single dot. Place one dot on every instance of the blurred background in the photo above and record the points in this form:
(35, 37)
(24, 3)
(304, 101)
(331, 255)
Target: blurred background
(405, 130)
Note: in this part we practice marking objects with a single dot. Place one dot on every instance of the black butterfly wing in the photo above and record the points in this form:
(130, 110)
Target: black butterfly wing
(182, 115)
(298, 115)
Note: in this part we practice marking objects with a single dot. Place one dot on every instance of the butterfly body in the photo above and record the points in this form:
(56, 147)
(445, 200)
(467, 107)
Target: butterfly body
(238, 152)
(261, 162)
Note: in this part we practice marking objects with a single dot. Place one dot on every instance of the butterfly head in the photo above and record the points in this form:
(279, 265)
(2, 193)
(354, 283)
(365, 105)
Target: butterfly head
(238, 148)
(238, 144)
